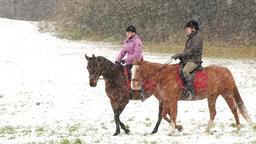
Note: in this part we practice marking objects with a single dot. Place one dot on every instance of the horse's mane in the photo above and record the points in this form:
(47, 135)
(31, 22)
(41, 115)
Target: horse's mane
(108, 66)
(101, 58)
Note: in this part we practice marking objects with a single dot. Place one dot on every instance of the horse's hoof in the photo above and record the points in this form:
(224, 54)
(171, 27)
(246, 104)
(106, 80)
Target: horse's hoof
(180, 128)
(117, 133)
(127, 131)
(171, 133)
(154, 131)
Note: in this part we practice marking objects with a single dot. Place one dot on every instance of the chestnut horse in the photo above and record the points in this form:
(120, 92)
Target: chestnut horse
(116, 88)
(220, 82)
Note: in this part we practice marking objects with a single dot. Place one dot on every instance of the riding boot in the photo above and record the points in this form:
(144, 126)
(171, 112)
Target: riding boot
(190, 92)
(132, 92)
(142, 95)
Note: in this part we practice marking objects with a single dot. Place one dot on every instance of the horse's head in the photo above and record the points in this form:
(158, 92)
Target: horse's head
(137, 75)
(94, 70)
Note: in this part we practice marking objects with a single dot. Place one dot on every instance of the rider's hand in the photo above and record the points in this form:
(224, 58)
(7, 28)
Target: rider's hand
(122, 62)
(177, 56)
(117, 63)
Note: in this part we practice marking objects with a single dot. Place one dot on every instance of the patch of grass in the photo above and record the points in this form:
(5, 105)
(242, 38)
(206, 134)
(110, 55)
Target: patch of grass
(72, 34)
(103, 126)
(147, 119)
(219, 135)
(7, 130)
(73, 128)
(216, 50)
(26, 131)
(97, 141)
(150, 142)
(127, 126)
(201, 110)
(233, 125)
(65, 141)
(46, 26)
(131, 119)
(147, 124)
(40, 131)
(254, 127)
(78, 141)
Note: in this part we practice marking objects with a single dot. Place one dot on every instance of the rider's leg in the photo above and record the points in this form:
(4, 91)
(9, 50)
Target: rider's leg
(189, 88)
(139, 88)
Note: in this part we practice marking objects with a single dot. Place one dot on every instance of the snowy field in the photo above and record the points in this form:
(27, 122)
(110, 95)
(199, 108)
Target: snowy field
(45, 96)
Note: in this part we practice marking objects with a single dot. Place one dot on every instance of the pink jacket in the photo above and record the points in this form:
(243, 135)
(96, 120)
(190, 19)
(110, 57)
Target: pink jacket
(132, 47)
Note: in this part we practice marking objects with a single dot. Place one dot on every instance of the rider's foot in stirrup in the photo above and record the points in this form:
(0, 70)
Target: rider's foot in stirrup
(142, 96)
(132, 92)
(189, 95)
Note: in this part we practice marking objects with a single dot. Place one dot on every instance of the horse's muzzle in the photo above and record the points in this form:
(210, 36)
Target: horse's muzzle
(93, 83)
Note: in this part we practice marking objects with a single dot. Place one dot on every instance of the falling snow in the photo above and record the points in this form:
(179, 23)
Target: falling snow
(45, 96)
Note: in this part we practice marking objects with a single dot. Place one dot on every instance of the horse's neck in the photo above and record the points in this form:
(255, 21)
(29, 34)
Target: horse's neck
(154, 70)
(113, 79)
(111, 74)
(110, 71)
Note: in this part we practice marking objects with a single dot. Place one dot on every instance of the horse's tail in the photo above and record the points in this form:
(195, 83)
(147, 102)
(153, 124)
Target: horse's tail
(241, 106)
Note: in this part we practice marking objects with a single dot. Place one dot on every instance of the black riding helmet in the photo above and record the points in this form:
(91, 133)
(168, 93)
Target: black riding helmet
(131, 28)
(192, 24)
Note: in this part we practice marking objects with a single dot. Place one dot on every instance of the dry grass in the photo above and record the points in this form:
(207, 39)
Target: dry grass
(210, 50)
(217, 50)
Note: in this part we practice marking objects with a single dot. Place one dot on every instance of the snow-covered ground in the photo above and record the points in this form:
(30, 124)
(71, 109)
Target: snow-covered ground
(45, 96)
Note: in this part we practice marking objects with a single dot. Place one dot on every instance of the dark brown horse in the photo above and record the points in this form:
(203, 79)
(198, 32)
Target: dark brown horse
(220, 82)
(116, 88)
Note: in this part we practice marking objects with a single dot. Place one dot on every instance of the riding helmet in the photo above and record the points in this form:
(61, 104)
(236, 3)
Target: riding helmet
(131, 28)
(192, 24)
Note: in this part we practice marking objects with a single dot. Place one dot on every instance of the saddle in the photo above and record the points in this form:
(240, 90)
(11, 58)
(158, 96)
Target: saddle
(198, 75)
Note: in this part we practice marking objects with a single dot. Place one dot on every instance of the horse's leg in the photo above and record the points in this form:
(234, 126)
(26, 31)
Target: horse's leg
(171, 110)
(159, 117)
(126, 130)
(212, 109)
(232, 105)
(116, 115)
(118, 108)
(173, 116)
(165, 111)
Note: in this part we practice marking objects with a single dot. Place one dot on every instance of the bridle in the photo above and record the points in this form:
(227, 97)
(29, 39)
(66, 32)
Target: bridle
(97, 72)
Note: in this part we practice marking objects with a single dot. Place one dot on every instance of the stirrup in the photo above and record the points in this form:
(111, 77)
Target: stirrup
(189, 95)
(142, 96)
(131, 94)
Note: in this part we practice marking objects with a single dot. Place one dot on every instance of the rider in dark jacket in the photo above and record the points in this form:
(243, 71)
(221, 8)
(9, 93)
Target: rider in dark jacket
(191, 57)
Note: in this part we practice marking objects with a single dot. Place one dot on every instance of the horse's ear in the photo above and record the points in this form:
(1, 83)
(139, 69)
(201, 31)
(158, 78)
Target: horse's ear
(87, 57)
(93, 56)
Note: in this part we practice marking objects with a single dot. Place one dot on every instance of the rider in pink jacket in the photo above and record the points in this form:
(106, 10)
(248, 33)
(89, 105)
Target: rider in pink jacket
(132, 50)
(132, 47)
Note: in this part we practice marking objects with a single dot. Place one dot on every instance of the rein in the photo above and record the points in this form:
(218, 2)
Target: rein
(165, 64)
